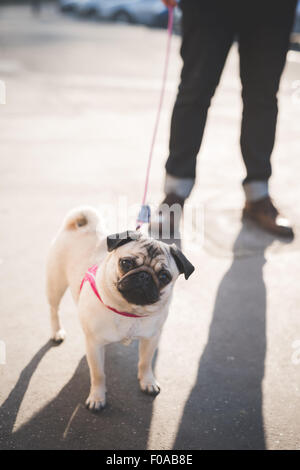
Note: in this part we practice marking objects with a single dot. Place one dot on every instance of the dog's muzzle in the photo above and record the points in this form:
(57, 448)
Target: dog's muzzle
(139, 287)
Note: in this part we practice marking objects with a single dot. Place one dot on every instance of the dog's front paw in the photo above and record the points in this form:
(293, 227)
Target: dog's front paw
(96, 401)
(59, 336)
(149, 385)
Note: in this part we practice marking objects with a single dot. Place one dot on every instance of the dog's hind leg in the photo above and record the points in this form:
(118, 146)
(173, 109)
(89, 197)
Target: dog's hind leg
(56, 287)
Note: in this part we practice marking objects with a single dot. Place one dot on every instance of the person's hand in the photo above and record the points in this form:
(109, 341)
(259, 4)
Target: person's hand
(170, 3)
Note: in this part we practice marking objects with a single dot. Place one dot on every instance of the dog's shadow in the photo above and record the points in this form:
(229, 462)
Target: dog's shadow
(65, 423)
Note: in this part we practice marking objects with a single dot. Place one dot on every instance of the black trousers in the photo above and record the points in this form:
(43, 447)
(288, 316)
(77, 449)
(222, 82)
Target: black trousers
(209, 27)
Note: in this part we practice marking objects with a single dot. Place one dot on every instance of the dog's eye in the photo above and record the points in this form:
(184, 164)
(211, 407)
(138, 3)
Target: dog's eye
(126, 265)
(164, 277)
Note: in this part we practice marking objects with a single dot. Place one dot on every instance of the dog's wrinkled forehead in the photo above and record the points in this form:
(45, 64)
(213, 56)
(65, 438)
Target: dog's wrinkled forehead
(146, 251)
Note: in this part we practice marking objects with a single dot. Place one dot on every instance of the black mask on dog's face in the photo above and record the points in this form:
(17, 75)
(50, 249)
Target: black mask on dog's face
(140, 284)
(139, 287)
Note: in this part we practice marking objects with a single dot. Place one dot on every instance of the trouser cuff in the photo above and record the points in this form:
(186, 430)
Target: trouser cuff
(182, 187)
(255, 190)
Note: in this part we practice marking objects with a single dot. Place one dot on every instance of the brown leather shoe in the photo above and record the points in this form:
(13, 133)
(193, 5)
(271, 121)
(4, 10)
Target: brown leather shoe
(265, 215)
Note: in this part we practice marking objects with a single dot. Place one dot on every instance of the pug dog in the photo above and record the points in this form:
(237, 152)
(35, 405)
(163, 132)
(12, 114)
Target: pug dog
(122, 285)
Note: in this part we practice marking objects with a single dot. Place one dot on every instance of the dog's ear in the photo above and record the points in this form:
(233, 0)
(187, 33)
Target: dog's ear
(182, 263)
(119, 239)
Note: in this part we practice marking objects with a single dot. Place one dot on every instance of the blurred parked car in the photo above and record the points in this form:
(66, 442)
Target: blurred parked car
(149, 12)
(86, 7)
(67, 5)
(296, 28)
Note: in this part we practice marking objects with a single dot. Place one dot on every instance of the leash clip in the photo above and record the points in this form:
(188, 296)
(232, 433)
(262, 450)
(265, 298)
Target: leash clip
(144, 214)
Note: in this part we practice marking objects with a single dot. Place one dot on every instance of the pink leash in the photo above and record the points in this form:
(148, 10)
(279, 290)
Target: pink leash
(144, 214)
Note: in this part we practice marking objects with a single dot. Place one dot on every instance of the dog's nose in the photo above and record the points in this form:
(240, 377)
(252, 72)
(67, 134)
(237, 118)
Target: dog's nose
(144, 277)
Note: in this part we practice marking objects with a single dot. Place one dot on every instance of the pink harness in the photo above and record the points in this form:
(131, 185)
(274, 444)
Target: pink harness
(90, 276)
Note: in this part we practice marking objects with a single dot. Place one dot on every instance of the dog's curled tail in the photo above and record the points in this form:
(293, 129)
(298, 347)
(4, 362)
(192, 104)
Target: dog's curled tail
(84, 216)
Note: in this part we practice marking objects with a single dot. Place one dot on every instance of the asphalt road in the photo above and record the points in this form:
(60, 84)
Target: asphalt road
(76, 127)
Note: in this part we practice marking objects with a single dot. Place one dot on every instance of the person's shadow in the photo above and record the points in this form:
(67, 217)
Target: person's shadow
(224, 409)
(65, 423)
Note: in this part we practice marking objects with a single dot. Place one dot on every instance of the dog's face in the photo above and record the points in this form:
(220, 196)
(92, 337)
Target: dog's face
(143, 270)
